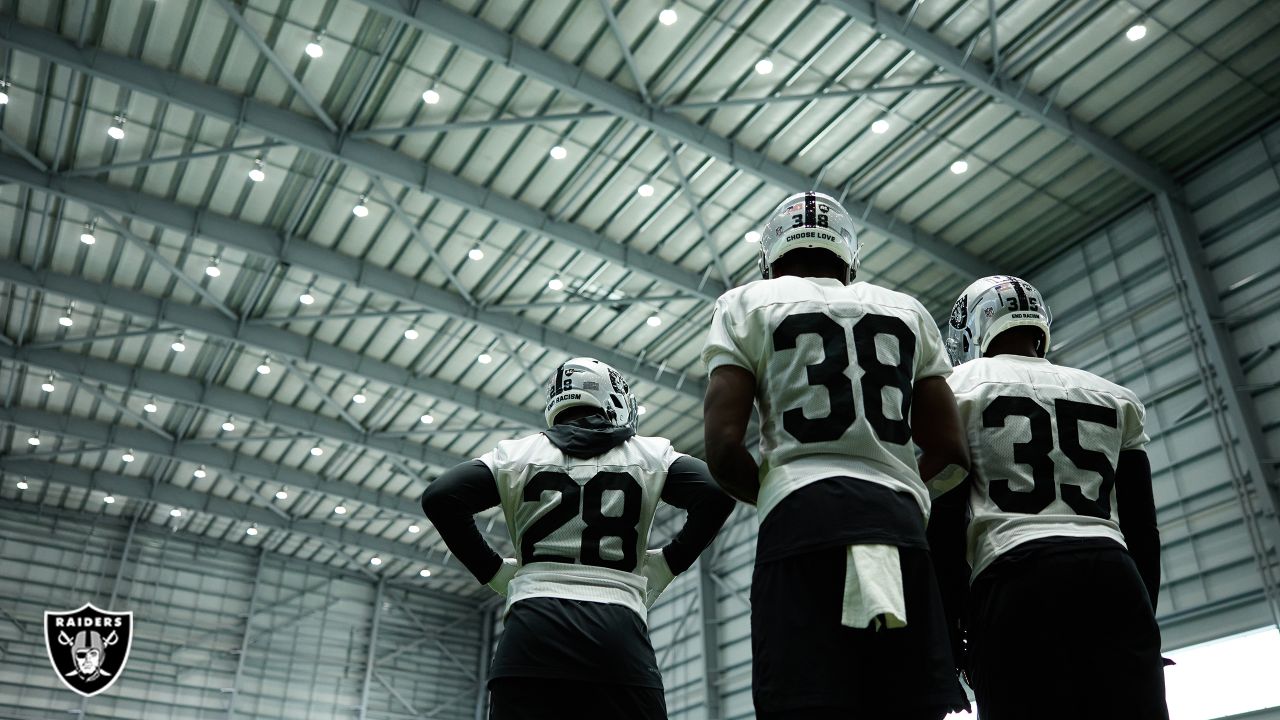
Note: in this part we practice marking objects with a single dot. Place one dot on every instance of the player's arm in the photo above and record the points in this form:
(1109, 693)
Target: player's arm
(690, 487)
(726, 411)
(948, 521)
(938, 432)
(451, 503)
(1138, 517)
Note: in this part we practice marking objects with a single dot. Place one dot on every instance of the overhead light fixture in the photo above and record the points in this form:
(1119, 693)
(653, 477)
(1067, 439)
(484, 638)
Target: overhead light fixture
(880, 127)
(251, 530)
(340, 510)
(361, 209)
(558, 152)
(431, 97)
(150, 406)
(555, 284)
(282, 494)
(752, 236)
(109, 499)
(200, 473)
(229, 424)
(359, 398)
(427, 419)
(34, 440)
(484, 358)
(212, 269)
(764, 66)
(959, 167)
(48, 385)
(317, 451)
(375, 561)
(178, 345)
(424, 573)
(475, 254)
(22, 485)
(653, 321)
(175, 513)
(645, 190)
(314, 49)
(66, 320)
(128, 456)
(264, 367)
(640, 410)
(4, 94)
(116, 131)
(257, 174)
(86, 236)
(1136, 32)
(306, 298)
(411, 333)
(414, 529)
(668, 17)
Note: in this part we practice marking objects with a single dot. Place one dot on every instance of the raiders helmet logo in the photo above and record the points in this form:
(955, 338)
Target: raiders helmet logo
(960, 312)
(88, 647)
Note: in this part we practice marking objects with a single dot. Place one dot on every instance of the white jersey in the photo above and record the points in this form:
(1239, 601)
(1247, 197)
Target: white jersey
(1045, 440)
(580, 525)
(835, 366)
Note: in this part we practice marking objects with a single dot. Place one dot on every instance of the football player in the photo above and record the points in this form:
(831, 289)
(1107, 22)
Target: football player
(1063, 543)
(849, 381)
(579, 499)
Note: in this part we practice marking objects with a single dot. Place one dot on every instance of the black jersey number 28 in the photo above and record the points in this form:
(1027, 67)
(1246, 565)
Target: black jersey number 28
(830, 374)
(587, 500)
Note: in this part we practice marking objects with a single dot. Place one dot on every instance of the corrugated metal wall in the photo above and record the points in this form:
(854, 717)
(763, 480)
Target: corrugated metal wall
(306, 647)
(1116, 314)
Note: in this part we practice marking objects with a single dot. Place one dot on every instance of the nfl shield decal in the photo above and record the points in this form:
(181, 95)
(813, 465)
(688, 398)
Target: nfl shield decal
(88, 647)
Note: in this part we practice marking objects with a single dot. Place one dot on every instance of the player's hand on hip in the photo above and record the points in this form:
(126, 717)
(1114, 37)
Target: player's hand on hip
(657, 574)
(503, 577)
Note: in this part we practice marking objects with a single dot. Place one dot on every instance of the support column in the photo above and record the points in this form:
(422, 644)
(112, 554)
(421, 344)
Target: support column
(710, 615)
(487, 621)
(244, 638)
(373, 647)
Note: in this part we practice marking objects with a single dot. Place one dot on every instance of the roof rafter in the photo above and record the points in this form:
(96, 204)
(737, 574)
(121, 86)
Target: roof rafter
(437, 18)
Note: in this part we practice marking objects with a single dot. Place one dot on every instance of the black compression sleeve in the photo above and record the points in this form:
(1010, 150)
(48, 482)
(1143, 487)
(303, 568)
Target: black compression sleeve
(1138, 517)
(451, 503)
(948, 520)
(690, 487)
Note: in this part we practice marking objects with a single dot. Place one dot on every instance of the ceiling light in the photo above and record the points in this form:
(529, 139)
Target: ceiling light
(34, 440)
(22, 485)
(752, 236)
(361, 209)
(411, 334)
(87, 237)
(340, 510)
(228, 425)
(645, 190)
(48, 385)
(359, 398)
(257, 174)
(212, 269)
(375, 561)
(128, 456)
(653, 321)
(282, 494)
(880, 127)
(66, 320)
(150, 406)
(317, 451)
(116, 131)
(558, 152)
(424, 573)
(200, 473)
(264, 367)
(252, 530)
(555, 284)
(175, 513)
(178, 345)
(475, 254)
(4, 96)
(959, 167)
(764, 66)
(414, 529)
(427, 419)
(668, 16)
(109, 499)
(431, 97)
(484, 358)
(313, 48)
(640, 410)
(1136, 33)
(306, 298)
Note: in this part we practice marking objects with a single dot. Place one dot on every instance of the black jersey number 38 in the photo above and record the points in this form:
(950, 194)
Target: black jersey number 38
(830, 374)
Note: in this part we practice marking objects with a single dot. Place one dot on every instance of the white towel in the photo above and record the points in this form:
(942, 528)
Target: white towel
(873, 594)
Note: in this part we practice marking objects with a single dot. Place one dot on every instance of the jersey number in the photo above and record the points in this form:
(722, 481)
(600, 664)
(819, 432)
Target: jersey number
(588, 501)
(1035, 454)
(830, 374)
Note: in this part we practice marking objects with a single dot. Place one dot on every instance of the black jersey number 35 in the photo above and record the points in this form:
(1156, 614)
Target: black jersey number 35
(830, 374)
(587, 500)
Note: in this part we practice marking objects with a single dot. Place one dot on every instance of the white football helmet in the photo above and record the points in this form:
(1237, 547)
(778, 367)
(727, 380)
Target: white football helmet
(987, 308)
(809, 220)
(587, 382)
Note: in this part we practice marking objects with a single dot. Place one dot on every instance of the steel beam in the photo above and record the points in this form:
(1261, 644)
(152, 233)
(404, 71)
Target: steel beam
(373, 646)
(442, 20)
(267, 243)
(370, 158)
(244, 636)
(709, 612)
(266, 339)
(144, 490)
(1006, 90)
